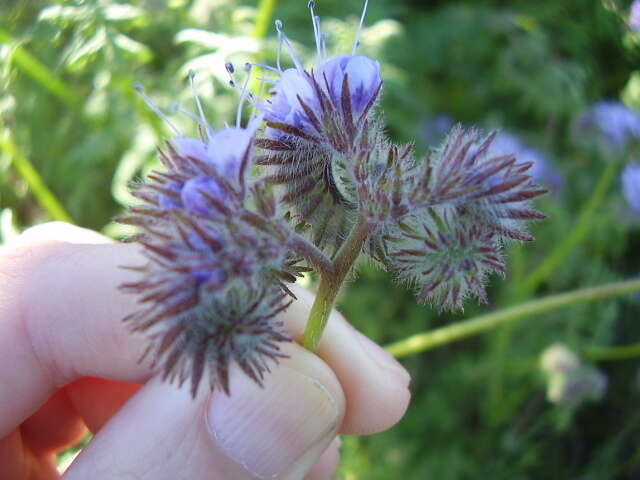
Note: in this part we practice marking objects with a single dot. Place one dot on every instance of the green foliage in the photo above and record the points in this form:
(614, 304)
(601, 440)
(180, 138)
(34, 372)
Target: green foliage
(67, 106)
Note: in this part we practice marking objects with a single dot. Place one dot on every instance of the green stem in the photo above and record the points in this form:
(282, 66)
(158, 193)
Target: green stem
(605, 354)
(316, 257)
(263, 19)
(39, 72)
(451, 333)
(29, 174)
(330, 284)
(575, 237)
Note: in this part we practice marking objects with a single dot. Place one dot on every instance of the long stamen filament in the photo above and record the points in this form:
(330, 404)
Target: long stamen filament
(356, 41)
(154, 108)
(202, 120)
(285, 41)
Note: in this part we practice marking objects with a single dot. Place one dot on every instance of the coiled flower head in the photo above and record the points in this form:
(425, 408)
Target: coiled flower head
(446, 260)
(217, 261)
(459, 206)
(315, 120)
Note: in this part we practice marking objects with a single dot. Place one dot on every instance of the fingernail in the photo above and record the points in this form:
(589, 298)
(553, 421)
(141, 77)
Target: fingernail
(383, 359)
(271, 430)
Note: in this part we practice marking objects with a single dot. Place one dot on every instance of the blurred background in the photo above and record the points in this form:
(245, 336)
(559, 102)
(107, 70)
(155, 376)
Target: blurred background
(545, 397)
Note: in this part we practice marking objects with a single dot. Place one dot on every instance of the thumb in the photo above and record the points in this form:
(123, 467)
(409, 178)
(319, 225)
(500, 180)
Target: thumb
(276, 432)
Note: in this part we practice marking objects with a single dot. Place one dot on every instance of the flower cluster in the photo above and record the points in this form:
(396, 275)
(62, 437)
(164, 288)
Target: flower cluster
(315, 120)
(312, 177)
(465, 201)
(217, 260)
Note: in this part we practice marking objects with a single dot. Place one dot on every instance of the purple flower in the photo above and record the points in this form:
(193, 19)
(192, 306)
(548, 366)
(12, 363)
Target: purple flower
(362, 74)
(195, 195)
(326, 105)
(631, 186)
(614, 125)
(541, 170)
(316, 122)
(634, 16)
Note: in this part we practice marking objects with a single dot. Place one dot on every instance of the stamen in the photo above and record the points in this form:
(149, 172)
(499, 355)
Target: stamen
(244, 93)
(203, 120)
(265, 66)
(154, 108)
(315, 20)
(292, 53)
(279, 51)
(356, 41)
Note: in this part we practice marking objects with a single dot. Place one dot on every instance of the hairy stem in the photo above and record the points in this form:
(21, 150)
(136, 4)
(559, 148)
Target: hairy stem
(330, 284)
(316, 257)
(441, 336)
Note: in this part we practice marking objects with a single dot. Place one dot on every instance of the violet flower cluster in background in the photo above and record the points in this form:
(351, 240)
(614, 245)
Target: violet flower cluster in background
(542, 169)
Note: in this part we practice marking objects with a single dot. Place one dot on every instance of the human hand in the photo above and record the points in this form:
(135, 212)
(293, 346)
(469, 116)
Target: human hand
(68, 364)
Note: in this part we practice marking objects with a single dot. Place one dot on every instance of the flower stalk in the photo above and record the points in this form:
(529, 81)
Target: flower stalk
(422, 342)
(330, 284)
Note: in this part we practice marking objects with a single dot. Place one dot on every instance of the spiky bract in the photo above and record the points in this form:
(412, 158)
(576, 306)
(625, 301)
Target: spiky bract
(240, 327)
(494, 190)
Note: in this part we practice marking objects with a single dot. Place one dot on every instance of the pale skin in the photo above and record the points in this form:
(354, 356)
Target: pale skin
(68, 365)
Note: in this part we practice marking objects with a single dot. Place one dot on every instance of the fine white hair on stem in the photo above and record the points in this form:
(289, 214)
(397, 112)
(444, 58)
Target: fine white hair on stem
(154, 108)
(356, 41)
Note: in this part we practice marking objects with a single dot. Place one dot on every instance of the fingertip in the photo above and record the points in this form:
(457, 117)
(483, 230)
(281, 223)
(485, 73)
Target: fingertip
(54, 232)
(326, 466)
(375, 384)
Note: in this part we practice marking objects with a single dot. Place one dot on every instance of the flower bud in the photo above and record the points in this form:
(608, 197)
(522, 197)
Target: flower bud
(362, 76)
(569, 381)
